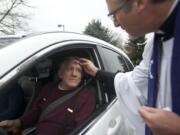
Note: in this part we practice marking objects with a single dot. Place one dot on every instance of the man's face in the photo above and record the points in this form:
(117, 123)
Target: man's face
(71, 75)
(130, 20)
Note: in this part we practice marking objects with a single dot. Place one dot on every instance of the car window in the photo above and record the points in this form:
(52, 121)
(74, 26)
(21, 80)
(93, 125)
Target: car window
(114, 61)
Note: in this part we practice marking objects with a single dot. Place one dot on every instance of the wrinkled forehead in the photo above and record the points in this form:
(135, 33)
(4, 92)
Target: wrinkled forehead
(69, 61)
(74, 62)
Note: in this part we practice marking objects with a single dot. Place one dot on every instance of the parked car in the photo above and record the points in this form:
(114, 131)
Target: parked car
(33, 60)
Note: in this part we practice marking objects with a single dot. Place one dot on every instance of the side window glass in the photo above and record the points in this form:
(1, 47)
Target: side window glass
(114, 61)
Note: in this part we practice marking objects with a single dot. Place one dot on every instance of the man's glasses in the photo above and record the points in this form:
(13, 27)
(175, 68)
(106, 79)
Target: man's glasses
(112, 14)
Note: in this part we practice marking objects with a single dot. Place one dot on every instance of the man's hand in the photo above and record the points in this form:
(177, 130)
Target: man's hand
(161, 122)
(10, 123)
(88, 66)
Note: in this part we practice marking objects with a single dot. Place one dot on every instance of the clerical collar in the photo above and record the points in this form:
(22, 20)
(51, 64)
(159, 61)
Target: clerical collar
(167, 28)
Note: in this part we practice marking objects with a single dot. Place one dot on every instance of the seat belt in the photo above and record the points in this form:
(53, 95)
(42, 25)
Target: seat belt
(61, 100)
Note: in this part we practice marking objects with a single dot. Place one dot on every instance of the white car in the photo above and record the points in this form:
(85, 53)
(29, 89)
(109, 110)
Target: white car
(31, 61)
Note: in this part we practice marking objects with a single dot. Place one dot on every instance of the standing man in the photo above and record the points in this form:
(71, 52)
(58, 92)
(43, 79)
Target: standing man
(157, 77)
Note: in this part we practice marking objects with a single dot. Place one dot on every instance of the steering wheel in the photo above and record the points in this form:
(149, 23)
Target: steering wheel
(3, 131)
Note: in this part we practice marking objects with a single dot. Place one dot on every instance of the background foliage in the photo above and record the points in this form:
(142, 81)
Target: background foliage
(12, 17)
(96, 29)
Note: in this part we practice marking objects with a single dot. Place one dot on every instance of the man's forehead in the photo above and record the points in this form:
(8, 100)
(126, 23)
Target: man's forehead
(74, 62)
(113, 4)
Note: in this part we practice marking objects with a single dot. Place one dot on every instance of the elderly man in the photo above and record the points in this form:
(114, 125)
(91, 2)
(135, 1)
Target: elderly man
(155, 82)
(68, 115)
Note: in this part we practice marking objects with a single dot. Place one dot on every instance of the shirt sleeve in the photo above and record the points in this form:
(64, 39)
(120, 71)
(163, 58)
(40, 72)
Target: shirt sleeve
(131, 90)
(31, 117)
(107, 78)
(136, 81)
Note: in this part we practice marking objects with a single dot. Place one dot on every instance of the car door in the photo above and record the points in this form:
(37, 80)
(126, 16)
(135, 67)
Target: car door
(111, 120)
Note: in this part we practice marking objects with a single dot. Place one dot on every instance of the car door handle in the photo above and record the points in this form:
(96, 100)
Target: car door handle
(120, 126)
(114, 126)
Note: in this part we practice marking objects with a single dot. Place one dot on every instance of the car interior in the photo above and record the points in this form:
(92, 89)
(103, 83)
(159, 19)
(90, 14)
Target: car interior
(44, 70)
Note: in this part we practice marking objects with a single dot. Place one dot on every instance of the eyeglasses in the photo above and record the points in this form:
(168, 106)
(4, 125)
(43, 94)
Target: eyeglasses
(112, 14)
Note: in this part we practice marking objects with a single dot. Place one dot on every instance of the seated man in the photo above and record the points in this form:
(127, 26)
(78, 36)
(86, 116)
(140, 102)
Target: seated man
(68, 115)
(11, 102)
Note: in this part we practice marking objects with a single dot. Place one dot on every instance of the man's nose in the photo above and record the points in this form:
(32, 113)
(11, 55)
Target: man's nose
(74, 72)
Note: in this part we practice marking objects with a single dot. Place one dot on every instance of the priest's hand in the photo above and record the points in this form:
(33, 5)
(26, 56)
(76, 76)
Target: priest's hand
(88, 66)
(161, 122)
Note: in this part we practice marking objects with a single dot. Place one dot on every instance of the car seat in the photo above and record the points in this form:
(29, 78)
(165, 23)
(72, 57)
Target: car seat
(32, 81)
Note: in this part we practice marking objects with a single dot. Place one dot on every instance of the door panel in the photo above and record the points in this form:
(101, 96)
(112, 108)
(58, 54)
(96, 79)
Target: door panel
(112, 122)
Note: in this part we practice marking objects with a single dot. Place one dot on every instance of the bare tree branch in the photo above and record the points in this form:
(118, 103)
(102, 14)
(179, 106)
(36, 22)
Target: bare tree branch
(8, 11)
(11, 16)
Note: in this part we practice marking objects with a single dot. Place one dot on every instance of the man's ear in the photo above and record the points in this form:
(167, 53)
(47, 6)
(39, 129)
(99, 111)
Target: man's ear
(141, 4)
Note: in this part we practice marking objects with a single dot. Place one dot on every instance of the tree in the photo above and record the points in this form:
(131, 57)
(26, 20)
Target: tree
(134, 49)
(11, 16)
(96, 29)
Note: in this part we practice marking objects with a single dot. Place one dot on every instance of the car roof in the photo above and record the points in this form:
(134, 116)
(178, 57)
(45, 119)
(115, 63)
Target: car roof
(29, 45)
